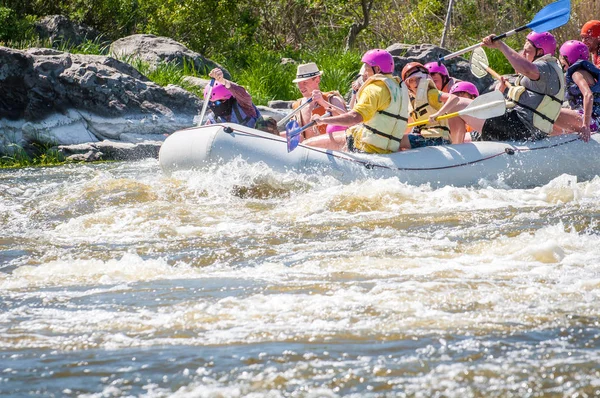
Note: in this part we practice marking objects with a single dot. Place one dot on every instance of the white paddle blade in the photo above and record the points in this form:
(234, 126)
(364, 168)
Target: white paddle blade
(486, 106)
(479, 62)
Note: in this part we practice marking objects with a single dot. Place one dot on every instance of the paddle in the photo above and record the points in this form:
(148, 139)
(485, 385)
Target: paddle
(480, 65)
(292, 135)
(550, 17)
(283, 121)
(206, 100)
(293, 131)
(483, 107)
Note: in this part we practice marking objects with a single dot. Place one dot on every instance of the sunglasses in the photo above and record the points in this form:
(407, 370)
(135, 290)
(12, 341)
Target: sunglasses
(415, 71)
(216, 103)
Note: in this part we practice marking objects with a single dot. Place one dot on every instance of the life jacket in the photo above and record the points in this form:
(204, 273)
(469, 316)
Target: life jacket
(546, 113)
(574, 95)
(420, 109)
(317, 110)
(237, 116)
(596, 59)
(386, 128)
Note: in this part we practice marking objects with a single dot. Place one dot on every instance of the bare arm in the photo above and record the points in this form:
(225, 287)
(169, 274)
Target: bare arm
(338, 105)
(239, 93)
(242, 97)
(347, 119)
(588, 97)
(449, 100)
(521, 65)
(335, 105)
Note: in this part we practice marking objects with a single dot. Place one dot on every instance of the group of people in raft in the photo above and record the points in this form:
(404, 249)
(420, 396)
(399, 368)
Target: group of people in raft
(376, 119)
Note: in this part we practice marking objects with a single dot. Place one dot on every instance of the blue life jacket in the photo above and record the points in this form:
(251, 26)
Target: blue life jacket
(237, 116)
(573, 93)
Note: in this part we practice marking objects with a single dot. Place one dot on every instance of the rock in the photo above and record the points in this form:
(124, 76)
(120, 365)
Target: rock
(458, 67)
(110, 150)
(61, 30)
(279, 104)
(58, 98)
(90, 156)
(196, 81)
(399, 49)
(156, 49)
(270, 112)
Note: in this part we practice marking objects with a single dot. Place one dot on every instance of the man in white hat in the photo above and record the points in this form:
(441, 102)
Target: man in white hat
(308, 78)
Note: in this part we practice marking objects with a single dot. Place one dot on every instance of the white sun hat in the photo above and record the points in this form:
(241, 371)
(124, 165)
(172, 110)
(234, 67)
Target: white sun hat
(307, 71)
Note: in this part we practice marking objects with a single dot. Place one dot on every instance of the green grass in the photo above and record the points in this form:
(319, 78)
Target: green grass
(165, 73)
(97, 46)
(266, 78)
(498, 61)
(45, 156)
(24, 44)
(263, 74)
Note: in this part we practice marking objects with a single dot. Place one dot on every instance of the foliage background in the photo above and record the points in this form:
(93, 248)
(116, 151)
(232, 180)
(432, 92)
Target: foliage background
(250, 37)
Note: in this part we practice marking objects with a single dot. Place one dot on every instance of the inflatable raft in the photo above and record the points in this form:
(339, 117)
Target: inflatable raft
(515, 164)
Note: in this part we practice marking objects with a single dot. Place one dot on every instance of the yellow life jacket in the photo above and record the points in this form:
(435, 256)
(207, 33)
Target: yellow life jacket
(420, 109)
(546, 113)
(386, 128)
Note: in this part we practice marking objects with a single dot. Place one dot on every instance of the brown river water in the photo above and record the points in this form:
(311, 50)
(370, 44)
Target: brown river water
(117, 280)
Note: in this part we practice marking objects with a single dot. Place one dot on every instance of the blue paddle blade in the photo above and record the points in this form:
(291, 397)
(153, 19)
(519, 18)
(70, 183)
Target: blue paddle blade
(551, 17)
(292, 135)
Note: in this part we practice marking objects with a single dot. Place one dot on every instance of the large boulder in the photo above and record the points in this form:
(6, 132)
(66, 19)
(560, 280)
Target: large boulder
(156, 49)
(54, 97)
(61, 30)
(458, 67)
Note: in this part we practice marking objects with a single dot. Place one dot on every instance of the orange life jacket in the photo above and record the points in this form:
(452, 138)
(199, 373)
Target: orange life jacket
(318, 110)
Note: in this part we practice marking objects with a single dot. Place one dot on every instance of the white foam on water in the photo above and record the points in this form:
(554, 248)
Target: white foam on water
(511, 292)
(300, 259)
(77, 272)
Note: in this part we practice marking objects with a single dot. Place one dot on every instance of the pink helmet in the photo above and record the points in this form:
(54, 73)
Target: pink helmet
(436, 67)
(219, 92)
(544, 41)
(466, 87)
(381, 58)
(573, 51)
(332, 128)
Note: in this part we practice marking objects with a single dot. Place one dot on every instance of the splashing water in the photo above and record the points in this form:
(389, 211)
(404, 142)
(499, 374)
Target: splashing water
(238, 281)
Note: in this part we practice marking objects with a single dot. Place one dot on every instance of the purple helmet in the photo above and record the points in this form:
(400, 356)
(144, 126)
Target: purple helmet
(544, 41)
(573, 51)
(466, 87)
(436, 67)
(219, 92)
(381, 58)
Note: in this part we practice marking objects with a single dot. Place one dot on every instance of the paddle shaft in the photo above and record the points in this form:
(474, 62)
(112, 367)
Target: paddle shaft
(206, 100)
(307, 126)
(283, 121)
(489, 70)
(489, 103)
(492, 72)
(449, 115)
(442, 117)
(546, 19)
(474, 46)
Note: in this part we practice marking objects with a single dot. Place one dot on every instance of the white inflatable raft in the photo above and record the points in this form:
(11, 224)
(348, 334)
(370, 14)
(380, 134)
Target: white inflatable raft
(518, 165)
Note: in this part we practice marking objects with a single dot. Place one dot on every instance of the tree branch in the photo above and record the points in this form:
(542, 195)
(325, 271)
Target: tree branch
(357, 27)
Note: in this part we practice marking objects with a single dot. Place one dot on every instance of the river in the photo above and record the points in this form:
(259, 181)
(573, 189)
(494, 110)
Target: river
(117, 280)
